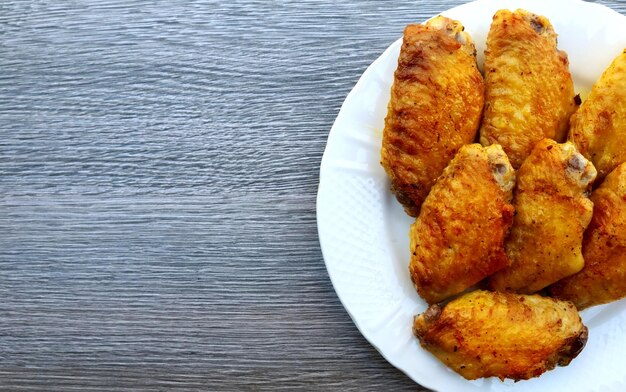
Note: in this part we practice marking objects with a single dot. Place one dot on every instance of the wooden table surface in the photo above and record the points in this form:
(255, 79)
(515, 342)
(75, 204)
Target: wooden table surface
(158, 172)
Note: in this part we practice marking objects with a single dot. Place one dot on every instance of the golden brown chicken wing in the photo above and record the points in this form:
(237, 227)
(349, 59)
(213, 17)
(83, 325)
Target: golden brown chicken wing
(505, 335)
(435, 107)
(529, 93)
(552, 212)
(599, 128)
(458, 238)
(604, 248)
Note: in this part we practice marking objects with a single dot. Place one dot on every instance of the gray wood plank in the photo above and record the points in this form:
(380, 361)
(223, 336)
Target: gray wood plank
(158, 171)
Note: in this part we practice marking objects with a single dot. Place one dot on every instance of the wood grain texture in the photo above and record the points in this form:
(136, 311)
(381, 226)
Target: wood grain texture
(158, 173)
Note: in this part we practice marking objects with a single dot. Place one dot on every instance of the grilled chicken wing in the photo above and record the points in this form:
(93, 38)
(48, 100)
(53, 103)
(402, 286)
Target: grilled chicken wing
(603, 279)
(458, 238)
(552, 212)
(505, 335)
(435, 107)
(529, 93)
(599, 128)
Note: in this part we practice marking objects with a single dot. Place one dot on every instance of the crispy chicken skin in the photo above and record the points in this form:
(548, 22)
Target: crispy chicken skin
(435, 107)
(529, 93)
(599, 128)
(505, 335)
(552, 213)
(458, 238)
(604, 248)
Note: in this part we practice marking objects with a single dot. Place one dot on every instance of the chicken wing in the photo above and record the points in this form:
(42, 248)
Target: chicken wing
(458, 238)
(552, 212)
(603, 279)
(505, 335)
(529, 93)
(599, 128)
(435, 107)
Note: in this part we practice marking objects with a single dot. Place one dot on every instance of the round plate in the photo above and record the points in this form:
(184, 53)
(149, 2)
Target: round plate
(364, 232)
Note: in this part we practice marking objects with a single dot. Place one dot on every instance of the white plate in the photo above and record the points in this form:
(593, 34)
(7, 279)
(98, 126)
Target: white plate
(364, 232)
